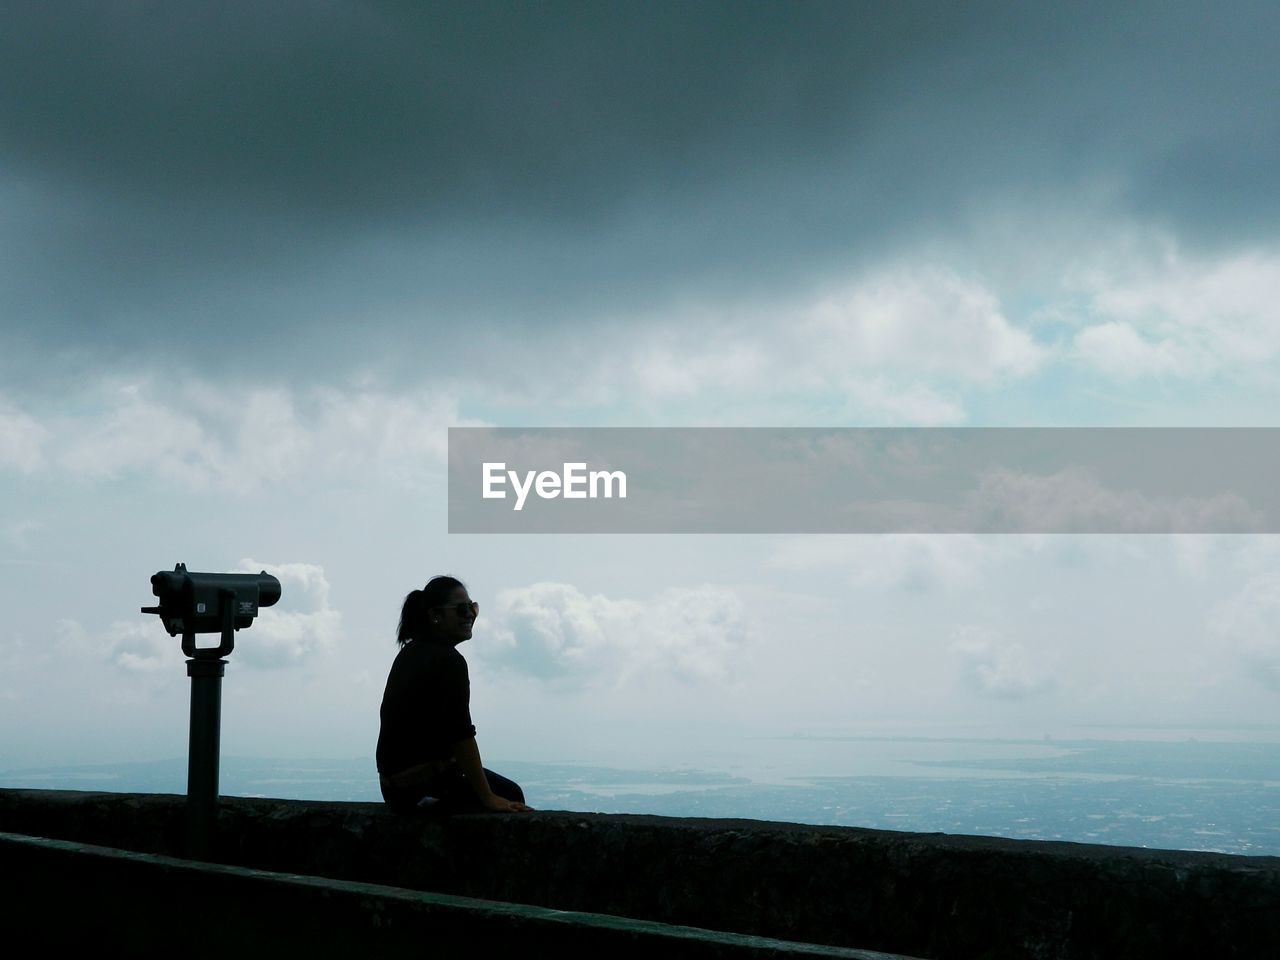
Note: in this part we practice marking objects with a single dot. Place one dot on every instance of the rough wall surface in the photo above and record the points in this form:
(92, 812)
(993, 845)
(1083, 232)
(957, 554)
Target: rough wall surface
(928, 895)
(60, 896)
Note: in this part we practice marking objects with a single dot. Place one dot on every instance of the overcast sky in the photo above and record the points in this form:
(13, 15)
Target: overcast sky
(255, 258)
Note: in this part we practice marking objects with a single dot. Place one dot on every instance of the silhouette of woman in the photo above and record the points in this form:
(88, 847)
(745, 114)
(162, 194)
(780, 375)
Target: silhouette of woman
(427, 754)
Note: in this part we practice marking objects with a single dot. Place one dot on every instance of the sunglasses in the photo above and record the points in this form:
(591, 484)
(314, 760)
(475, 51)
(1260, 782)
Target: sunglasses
(462, 609)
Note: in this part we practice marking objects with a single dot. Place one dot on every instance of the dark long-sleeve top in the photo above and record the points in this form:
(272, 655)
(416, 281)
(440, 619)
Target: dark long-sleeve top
(426, 707)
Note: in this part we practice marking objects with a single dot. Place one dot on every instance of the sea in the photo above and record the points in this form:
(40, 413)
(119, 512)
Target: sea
(1186, 794)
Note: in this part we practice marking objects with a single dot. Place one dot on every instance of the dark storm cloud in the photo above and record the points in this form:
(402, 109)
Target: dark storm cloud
(339, 109)
(185, 171)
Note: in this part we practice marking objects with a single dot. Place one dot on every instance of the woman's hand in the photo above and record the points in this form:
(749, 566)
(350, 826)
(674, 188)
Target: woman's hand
(468, 756)
(502, 805)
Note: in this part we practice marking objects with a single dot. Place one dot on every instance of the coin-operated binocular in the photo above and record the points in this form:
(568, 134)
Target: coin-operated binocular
(222, 603)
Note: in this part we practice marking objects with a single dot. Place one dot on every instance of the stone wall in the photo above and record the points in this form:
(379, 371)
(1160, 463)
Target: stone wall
(926, 895)
(61, 897)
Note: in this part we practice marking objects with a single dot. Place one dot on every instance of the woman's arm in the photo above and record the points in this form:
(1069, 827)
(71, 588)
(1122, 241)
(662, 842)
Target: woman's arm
(467, 753)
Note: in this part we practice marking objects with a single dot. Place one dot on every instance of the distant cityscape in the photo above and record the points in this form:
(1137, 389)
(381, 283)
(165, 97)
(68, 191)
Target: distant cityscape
(1222, 797)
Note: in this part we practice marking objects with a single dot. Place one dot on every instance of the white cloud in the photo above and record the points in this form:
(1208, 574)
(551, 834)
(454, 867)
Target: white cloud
(403, 437)
(1255, 554)
(143, 647)
(302, 626)
(135, 646)
(910, 561)
(238, 440)
(200, 438)
(897, 346)
(555, 632)
(1194, 553)
(907, 342)
(19, 533)
(881, 400)
(22, 440)
(1116, 349)
(661, 371)
(1180, 317)
(997, 668)
(1247, 625)
(927, 321)
(71, 638)
(696, 632)
(21, 659)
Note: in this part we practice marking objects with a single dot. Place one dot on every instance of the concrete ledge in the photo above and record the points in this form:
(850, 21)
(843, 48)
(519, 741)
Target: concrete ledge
(147, 905)
(927, 895)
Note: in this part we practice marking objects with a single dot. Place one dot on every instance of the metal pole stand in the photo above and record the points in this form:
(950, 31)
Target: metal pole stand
(202, 756)
(206, 669)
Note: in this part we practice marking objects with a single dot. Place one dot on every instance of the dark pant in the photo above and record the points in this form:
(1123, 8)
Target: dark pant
(450, 794)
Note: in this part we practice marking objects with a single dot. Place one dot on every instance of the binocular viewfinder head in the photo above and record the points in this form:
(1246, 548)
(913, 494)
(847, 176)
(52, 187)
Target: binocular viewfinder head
(191, 603)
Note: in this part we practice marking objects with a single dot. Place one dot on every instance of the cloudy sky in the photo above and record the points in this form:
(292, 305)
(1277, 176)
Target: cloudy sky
(255, 258)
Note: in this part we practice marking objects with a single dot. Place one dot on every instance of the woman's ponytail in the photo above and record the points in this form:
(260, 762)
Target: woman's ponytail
(413, 615)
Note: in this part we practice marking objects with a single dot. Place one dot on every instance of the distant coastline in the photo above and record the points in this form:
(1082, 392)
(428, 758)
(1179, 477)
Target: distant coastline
(1187, 795)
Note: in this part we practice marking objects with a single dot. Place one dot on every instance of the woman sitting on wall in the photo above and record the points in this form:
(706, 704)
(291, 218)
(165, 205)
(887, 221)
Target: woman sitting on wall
(427, 754)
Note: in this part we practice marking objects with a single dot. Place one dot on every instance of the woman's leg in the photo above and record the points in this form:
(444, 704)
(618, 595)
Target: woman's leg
(507, 789)
(456, 795)
(402, 799)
